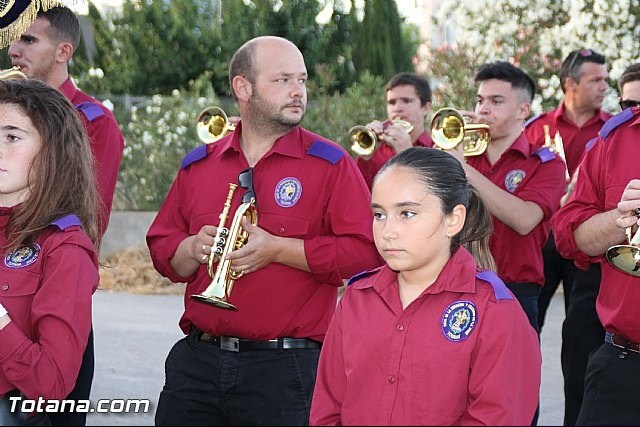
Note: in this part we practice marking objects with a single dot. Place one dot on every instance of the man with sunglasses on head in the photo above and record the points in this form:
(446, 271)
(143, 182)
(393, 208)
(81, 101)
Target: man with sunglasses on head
(256, 364)
(583, 78)
(602, 206)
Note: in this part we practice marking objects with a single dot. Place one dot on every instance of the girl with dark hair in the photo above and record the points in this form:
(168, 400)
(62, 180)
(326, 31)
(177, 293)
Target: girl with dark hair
(48, 239)
(433, 337)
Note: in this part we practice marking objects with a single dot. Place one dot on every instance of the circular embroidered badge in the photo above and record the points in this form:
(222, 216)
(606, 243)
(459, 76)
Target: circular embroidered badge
(458, 320)
(514, 178)
(288, 192)
(22, 257)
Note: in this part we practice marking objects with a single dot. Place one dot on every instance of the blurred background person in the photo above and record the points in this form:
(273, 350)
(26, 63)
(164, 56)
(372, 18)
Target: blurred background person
(408, 99)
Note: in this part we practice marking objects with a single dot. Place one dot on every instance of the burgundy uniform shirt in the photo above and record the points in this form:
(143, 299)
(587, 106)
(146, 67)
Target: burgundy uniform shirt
(306, 188)
(574, 138)
(370, 168)
(534, 176)
(107, 143)
(47, 291)
(462, 353)
(603, 175)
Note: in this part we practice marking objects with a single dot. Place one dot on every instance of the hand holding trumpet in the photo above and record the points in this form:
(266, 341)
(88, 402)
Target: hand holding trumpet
(365, 139)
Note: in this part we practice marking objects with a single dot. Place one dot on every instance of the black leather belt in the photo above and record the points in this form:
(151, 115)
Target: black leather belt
(621, 342)
(242, 344)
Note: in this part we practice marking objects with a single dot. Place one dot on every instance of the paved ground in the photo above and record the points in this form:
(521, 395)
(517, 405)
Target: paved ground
(134, 333)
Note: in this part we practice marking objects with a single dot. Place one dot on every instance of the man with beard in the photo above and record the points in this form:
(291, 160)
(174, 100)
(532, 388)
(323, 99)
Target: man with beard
(43, 52)
(254, 363)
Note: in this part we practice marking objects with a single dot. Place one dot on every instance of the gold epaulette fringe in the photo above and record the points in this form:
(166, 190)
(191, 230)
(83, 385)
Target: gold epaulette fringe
(13, 31)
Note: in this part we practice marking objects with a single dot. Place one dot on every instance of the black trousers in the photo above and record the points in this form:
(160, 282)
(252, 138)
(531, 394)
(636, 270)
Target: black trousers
(527, 295)
(611, 395)
(81, 391)
(557, 269)
(205, 385)
(582, 333)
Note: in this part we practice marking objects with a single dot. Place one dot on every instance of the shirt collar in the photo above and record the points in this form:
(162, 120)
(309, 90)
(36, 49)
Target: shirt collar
(68, 88)
(559, 112)
(290, 144)
(456, 276)
(521, 145)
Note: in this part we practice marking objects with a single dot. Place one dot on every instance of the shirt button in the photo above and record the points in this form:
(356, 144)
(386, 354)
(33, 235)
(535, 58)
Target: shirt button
(400, 326)
(391, 379)
(5, 287)
(281, 230)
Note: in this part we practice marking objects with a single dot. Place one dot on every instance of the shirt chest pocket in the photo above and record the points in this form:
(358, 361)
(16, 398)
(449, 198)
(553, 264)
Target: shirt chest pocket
(17, 290)
(284, 226)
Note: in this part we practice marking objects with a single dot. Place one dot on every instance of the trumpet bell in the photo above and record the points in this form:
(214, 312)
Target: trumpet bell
(363, 140)
(214, 300)
(449, 129)
(212, 124)
(625, 258)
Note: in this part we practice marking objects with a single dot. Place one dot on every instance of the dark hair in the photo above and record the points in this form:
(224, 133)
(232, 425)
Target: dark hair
(443, 176)
(630, 74)
(502, 70)
(64, 25)
(411, 79)
(572, 65)
(63, 181)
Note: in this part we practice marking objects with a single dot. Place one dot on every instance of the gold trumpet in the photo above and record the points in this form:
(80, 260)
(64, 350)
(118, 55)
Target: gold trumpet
(227, 240)
(626, 258)
(213, 124)
(364, 140)
(12, 73)
(449, 129)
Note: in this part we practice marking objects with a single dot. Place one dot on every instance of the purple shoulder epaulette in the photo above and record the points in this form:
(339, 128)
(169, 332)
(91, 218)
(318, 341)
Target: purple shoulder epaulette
(91, 110)
(499, 288)
(67, 221)
(361, 275)
(545, 154)
(533, 119)
(615, 121)
(327, 151)
(198, 153)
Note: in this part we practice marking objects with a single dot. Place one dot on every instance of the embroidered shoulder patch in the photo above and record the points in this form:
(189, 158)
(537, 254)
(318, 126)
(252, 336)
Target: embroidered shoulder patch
(23, 256)
(513, 179)
(459, 320)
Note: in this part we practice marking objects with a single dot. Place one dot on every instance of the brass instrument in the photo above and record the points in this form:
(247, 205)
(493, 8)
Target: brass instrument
(12, 73)
(227, 240)
(557, 147)
(213, 124)
(626, 258)
(364, 140)
(449, 129)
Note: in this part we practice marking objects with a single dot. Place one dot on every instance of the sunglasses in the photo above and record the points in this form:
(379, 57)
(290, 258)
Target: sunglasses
(584, 53)
(629, 103)
(245, 179)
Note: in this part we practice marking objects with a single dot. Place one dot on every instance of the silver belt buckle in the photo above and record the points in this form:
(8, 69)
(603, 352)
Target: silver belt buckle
(230, 344)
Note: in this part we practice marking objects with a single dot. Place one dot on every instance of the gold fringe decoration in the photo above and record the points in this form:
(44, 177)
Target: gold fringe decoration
(13, 31)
